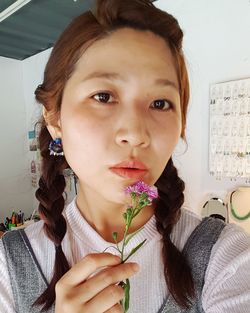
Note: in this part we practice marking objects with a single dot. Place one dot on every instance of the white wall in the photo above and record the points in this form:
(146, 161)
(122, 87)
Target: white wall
(18, 112)
(15, 186)
(32, 69)
(217, 49)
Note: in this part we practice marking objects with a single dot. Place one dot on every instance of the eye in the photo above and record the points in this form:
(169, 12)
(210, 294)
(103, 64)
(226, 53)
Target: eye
(103, 97)
(162, 104)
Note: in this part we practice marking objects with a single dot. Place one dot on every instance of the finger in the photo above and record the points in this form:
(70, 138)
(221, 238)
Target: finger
(106, 277)
(108, 298)
(115, 309)
(79, 272)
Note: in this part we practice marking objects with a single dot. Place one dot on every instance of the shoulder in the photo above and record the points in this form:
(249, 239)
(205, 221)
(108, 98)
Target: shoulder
(6, 295)
(37, 237)
(232, 245)
(184, 227)
(227, 279)
(34, 230)
(14, 239)
(232, 238)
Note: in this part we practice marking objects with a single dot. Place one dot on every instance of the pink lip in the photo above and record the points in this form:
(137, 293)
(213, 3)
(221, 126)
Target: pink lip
(130, 169)
(131, 164)
(129, 172)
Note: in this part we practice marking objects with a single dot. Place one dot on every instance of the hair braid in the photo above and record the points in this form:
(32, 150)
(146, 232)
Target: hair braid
(109, 16)
(50, 196)
(167, 212)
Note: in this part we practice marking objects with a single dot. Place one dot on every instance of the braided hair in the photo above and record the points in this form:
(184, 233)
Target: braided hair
(51, 204)
(109, 16)
(167, 212)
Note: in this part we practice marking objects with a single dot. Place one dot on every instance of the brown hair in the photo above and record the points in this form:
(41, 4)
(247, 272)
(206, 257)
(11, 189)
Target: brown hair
(109, 16)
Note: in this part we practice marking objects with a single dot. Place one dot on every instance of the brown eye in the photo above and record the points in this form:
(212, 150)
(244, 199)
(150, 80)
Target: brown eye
(102, 97)
(161, 104)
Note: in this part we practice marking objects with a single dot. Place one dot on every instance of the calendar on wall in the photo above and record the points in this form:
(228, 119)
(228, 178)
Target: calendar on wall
(229, 137)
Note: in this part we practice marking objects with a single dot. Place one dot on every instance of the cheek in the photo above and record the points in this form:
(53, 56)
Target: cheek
(167, 132)
(165, 137)
(165, 140)
(82, 138)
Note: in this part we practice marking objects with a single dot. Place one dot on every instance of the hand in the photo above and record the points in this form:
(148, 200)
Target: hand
(84, 290)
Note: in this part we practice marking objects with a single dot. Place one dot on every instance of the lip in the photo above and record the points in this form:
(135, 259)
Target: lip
(129, 172)
(130, 169)
(133, 164)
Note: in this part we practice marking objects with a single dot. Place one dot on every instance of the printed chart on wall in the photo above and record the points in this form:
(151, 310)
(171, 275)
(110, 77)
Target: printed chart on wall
(229, 142)
(35, 159)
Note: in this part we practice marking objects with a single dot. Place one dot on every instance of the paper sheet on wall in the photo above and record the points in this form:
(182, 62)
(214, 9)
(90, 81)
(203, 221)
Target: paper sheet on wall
(229, 140)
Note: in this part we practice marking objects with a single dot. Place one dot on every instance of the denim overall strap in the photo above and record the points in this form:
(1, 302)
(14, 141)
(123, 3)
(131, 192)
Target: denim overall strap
(27, 280)
(197, 251)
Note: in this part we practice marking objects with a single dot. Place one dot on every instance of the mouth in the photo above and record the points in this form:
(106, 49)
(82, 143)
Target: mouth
(133, 173)
(134, 169)
(131, 164)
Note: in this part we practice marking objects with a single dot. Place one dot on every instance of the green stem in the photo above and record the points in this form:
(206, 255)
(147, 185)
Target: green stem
(124, 240)
(116, 248)
(128, 224)
(136, 208)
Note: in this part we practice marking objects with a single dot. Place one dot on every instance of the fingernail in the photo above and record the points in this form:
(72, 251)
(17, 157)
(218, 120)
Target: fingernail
(135, 267)
(118, 259)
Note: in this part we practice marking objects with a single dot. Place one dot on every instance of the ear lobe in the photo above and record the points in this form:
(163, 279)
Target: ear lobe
(55, 128)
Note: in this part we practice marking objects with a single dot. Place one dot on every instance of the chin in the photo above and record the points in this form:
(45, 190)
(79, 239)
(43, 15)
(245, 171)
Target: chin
(118, 195)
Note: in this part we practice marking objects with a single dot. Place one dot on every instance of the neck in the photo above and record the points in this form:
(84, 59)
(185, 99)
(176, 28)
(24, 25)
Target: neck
(106, 217)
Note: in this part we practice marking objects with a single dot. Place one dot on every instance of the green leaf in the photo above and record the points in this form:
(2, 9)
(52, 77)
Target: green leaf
(143, 196)
(133, 195)
(143, 203)
(134, 250)
(136, 212)
(114, 235)
(130, 236)
(129, 212)
(125, 216)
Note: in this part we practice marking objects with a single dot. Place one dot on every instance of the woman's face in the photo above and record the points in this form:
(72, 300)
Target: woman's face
(121, 103)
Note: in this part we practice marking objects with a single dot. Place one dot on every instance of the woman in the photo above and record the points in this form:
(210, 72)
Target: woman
(115, 96)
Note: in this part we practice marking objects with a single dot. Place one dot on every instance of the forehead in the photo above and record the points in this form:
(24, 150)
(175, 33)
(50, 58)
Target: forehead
(130, 51)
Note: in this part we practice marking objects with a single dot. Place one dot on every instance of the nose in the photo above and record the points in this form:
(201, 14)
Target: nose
(132, 130)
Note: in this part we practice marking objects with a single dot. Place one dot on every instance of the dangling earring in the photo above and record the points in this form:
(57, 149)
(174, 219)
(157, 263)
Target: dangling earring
(55, 147)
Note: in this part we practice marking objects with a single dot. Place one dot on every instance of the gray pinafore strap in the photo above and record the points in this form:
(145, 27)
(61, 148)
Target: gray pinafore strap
(197, 250)
(27, 279)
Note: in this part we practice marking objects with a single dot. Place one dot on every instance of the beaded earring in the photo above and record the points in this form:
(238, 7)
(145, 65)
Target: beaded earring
(55, 147)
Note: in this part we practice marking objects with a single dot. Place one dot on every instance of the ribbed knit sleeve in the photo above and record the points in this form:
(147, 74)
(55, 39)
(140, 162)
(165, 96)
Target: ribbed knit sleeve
(227, 281)
(6, 296)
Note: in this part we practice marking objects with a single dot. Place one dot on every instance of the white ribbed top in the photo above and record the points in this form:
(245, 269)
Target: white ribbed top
(227, 281)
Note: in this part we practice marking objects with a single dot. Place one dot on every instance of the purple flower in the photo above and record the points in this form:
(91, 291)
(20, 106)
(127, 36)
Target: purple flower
(140, 187)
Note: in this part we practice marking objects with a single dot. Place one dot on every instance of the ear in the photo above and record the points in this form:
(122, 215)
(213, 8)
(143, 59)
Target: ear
(53, 124)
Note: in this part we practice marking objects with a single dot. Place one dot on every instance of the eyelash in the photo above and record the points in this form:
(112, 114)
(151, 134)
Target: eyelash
(171, 106)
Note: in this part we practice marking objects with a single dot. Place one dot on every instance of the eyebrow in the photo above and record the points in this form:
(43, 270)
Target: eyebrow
(117, 76)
